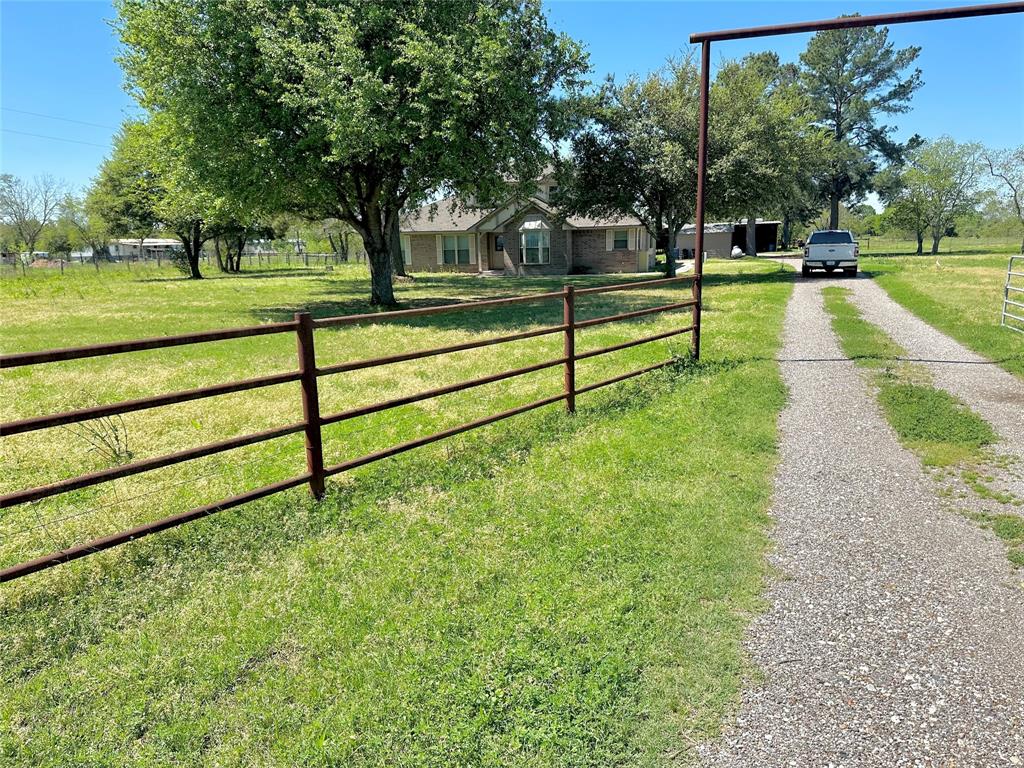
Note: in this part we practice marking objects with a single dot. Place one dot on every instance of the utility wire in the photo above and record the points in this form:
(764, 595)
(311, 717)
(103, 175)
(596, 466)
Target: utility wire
(55, 117)
(56, 138)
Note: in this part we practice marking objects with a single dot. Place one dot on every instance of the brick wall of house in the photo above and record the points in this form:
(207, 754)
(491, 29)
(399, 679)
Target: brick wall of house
(558, 265)
(424, 256)
(590, 253)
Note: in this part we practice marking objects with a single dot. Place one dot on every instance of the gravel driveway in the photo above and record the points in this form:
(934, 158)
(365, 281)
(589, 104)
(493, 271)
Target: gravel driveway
(895, 629)
(996, 395)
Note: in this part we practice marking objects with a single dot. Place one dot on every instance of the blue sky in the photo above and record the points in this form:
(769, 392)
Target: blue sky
(57, 59)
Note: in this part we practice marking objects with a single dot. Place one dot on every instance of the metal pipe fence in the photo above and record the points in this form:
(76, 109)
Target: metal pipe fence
(307, 375)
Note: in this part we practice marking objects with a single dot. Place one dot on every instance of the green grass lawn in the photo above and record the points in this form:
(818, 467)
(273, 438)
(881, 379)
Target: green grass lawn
(552, 590)
(960, 295)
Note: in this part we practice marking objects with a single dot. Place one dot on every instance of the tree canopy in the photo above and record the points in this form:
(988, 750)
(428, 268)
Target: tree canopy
(353, 110)
(851, 77)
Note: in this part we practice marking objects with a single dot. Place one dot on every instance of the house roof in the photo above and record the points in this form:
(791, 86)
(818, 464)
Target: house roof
(449, 215)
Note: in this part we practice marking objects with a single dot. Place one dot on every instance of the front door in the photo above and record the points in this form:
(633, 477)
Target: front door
(496, 250)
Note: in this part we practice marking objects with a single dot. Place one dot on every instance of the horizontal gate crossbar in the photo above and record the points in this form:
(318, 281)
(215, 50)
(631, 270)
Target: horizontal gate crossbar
(106, 542)
(145, 465)
(433, 438)
(636, 284)
(327, 370)
(446, 390)
(401, 314)
(633, 343)
(115, 348)
(303, 326)
(128, 406)
(849, 22)
(636, 313)
(623, 377)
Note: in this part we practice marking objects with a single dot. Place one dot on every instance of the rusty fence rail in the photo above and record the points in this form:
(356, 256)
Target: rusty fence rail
(307, 375)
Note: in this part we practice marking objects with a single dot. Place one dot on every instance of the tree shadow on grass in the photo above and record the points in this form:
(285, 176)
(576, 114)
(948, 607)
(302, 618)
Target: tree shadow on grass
(447, 291)
(147, 576)
(317, 274)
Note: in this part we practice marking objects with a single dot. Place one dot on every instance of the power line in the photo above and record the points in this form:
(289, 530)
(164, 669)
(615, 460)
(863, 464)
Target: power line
(56, 138)
(55, 117)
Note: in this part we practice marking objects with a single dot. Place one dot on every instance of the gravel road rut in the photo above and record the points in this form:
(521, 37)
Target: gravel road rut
(894, 634)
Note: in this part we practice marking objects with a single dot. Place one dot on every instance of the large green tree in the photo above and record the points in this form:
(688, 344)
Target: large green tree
(939, 184)
(125, 193)
(851, 77)
(637, 154)
(1007, 169)
(349, 109)
(771, 149)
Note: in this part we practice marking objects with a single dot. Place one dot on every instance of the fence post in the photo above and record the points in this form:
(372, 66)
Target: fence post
(695, 289)
(310, 403)
(569, 320)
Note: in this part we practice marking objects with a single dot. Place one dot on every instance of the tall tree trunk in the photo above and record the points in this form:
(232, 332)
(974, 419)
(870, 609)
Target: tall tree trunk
(220, 259)
(787, 225)
(833, 213)
(751, 235)
(920, 243)
(395, 244)
(239, 247)
(935, 244)
(659, 225)
(376, 242)
(193, 250)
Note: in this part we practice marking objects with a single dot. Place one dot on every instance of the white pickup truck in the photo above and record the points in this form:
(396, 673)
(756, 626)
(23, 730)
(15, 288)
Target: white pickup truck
(831, 249)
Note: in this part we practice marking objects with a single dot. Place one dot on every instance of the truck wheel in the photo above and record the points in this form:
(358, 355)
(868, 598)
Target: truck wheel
(807, 271)
(851, 271)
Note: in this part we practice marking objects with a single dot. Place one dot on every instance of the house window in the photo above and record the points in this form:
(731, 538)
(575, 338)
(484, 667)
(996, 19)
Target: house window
(620, 239)
(406, 250)
(536, 247)
(499, 243)
(552, 189)
(456, 249)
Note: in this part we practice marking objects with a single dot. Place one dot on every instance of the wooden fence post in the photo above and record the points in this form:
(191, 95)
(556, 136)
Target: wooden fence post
(569, 320)
(310, 404)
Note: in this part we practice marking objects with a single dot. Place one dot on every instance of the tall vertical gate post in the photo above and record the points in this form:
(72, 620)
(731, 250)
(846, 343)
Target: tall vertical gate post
(310, 404)
(569, 320)
(702, 163)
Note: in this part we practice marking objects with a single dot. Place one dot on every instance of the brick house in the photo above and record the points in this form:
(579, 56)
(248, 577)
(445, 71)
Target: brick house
(521, 238)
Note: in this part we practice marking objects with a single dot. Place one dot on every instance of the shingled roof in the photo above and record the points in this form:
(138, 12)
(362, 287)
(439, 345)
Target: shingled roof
(451, 215)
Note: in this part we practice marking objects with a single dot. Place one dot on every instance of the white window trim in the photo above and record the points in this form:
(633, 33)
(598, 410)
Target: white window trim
(543, 251)
(406, 250)
(470, 239)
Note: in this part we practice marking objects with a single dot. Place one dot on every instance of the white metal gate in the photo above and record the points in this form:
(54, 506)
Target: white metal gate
(1013, 296)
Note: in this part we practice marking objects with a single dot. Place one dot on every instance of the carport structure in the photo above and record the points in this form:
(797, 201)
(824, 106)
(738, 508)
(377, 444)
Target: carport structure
(848, 22)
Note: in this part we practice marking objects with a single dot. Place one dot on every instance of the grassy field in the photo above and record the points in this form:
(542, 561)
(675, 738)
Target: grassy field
(959, 295)
(948, 246)
(552, 590)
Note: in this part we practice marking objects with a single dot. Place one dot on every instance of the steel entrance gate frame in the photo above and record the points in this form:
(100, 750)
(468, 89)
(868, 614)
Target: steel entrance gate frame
(849, 22)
